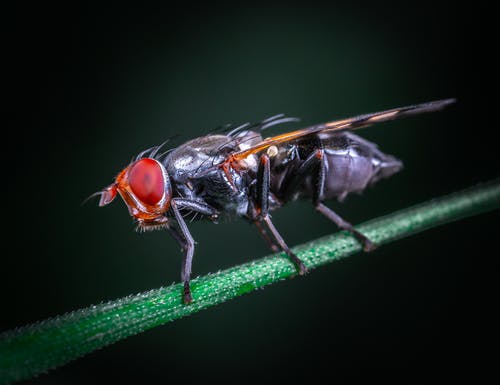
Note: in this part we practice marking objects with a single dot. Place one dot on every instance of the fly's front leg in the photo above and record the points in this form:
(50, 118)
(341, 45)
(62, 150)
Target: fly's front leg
(183, 236)
(188, 246)
(175, 233)
(197, 206)
(263, 186)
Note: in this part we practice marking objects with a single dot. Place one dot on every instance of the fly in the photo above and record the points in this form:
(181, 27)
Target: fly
(237, 173)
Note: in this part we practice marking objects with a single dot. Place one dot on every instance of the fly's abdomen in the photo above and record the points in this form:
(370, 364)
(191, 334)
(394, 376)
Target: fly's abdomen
(345, 173)
(352, 163)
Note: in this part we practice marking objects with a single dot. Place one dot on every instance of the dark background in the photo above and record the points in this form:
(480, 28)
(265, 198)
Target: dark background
(88, 87)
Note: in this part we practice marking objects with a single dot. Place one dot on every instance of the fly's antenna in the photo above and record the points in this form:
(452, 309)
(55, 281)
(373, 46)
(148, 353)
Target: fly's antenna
(91, 196)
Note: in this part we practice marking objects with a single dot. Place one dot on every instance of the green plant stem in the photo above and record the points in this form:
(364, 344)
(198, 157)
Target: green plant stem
(37, 348)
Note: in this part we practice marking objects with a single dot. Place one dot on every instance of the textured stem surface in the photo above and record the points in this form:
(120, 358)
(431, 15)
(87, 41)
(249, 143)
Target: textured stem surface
(36, 348)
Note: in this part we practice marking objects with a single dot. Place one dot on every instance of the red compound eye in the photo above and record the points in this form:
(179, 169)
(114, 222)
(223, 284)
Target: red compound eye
(145, 178)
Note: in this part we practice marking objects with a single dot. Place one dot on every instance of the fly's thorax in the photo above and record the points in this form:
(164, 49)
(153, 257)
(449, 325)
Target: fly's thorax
(196, 157)
(195, 172)
(199, 159)
(227, 194)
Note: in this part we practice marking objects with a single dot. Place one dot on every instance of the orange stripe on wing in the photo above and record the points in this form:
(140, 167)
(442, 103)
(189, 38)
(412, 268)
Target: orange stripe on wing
(337, 125)
(288, 137)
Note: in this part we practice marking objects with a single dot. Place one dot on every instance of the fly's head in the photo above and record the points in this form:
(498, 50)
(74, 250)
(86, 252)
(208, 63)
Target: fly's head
(146, 190)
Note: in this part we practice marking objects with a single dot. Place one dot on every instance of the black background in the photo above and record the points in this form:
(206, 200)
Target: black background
(89, 86)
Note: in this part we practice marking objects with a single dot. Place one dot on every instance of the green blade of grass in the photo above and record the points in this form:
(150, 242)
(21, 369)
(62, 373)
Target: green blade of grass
(36, 348)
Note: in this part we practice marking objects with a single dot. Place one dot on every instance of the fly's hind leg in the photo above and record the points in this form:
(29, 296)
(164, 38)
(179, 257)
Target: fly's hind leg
(344, 225)
(263, 183)
(315, 163)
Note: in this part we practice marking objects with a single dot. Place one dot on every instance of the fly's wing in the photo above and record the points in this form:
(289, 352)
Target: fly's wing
(344, 124)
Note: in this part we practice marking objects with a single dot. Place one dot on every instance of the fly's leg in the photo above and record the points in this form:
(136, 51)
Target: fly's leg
(197, 206)
(185, 239)
(257, 222)
(263, 183)
(188, 246)
(343, 224)
(188, 250)
(174, 232)
(315, 163)
(299, 265)
(273, 246)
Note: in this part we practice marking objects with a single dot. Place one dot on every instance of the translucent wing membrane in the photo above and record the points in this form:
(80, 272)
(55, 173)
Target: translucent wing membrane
(344, 124)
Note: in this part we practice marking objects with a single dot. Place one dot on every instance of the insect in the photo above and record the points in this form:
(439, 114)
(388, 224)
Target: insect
(237, 173)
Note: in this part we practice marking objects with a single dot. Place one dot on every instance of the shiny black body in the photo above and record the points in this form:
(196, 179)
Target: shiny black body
(194, 174)
(350, 163)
